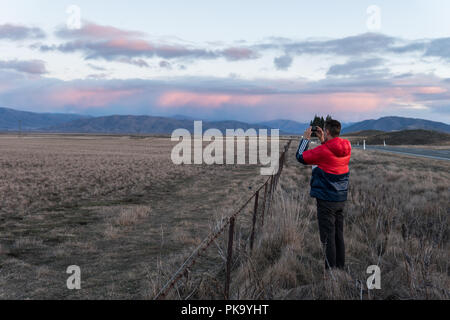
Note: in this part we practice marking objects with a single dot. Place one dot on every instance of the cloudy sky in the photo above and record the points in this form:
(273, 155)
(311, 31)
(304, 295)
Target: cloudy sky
(245, 60)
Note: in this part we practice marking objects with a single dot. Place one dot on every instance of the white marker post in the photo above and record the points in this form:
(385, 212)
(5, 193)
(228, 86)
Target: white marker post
(384, 141)
(364, 144)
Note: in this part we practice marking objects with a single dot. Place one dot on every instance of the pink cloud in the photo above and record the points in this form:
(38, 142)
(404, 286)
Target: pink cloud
(129, 45)
(90, 97)
(239, 53)
(325, 102)
(351, 101)
(111, 43)
(205, 100)
(95, 31)
(431, 90)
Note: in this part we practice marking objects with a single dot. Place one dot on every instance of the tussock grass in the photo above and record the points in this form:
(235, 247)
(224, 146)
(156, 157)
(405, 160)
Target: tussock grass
(396, 218)
(115, 206)
(120, 210)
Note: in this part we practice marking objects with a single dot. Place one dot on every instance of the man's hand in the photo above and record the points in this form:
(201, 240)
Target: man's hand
(307, 134)
(320, 134)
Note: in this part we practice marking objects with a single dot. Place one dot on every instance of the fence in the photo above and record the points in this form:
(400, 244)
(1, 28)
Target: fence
(269, 187)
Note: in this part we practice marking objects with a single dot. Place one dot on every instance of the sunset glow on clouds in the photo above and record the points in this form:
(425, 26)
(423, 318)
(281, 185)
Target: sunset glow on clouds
(89, 98)
(205, 100)
(121, 69)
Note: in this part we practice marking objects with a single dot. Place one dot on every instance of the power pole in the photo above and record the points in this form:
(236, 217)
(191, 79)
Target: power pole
(20, 128)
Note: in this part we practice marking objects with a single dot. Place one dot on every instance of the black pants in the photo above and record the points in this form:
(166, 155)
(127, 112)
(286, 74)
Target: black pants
(331, 228)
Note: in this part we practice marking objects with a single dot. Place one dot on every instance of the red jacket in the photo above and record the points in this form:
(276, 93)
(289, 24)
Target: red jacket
(332, 157)
(330, 178)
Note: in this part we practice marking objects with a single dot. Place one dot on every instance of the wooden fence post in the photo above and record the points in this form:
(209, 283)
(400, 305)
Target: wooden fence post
(255, 210)
(229, 258)
(270, 195)
(264, 202)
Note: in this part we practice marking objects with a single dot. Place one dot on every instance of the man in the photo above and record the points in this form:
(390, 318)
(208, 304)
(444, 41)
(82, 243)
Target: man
(329, 185)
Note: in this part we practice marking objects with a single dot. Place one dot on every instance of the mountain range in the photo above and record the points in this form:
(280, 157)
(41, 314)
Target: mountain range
(396, 124)
(144, 125)
(13, 120)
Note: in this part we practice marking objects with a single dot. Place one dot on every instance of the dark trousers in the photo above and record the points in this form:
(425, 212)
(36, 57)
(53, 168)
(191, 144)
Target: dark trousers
(331, 228)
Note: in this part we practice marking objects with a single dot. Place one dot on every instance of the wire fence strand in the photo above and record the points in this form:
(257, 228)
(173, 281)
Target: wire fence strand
(269, 187)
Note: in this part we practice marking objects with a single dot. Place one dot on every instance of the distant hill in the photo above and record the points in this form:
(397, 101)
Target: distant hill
(182, 117)
(128, 124)
(364, 133)
(397, 123)
(404, 137)
(10, 118)
(144, 125)
(346, 124)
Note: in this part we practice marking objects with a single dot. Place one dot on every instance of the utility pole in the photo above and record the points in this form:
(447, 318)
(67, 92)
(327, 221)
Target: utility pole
(20, 128)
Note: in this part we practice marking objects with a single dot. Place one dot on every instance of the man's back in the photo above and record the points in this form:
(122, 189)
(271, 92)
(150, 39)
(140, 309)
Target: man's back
(330, 178)
(332, 156)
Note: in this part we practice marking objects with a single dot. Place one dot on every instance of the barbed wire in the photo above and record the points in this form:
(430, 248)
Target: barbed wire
(206, 243)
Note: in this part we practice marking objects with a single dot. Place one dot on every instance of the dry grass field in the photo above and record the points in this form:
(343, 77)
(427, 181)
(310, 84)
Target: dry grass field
(118, 208)
(111, 205)
(397, 218)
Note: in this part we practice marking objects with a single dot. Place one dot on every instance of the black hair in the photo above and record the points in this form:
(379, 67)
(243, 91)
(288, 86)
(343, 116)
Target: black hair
(334, 127)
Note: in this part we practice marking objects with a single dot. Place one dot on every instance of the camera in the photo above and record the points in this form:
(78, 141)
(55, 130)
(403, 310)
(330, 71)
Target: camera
(314, 131)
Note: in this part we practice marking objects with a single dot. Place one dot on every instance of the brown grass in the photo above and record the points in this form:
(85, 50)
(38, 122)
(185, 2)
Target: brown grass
(396, 218)
(119, 209)
(112, 205)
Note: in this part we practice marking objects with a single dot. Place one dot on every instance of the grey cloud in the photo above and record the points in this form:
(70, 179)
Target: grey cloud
(367, 43)
(435, 96)
(137, 62)
(19, 32)
(36, 67)
(439, 48)
(239, 53)
(283, 62)
(348, 46)
(419, 46)
(110, 43)
(111, 50)
(165, 64)
(95, 67)
(97, 76)
(355, 67)
(90, 30)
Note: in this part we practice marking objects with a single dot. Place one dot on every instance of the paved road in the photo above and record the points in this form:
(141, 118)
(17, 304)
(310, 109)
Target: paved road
(426, 153)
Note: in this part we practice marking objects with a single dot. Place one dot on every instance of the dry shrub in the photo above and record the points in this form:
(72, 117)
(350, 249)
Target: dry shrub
(131, 216)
